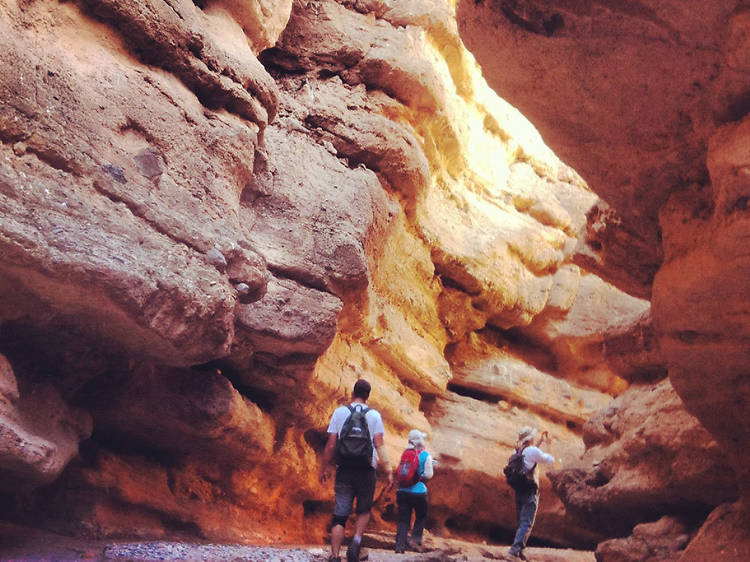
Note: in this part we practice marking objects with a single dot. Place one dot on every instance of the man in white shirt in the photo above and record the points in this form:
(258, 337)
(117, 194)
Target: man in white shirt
(355, 478)
(527, 497)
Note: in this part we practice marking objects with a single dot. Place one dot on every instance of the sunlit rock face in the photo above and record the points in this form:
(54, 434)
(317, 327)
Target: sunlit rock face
(643, 87)
(480, 222)
(218, 215)
(659, 94)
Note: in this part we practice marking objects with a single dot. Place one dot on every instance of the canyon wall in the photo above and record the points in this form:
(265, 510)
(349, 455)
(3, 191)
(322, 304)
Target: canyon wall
(217, 216)
(659, 94)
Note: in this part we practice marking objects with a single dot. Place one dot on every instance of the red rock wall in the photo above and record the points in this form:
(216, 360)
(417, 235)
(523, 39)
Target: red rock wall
(218, 215)
(629, 94)
(659, 94)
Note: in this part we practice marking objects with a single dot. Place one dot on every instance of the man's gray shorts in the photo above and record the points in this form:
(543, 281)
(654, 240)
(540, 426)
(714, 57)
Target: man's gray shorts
(353, 483)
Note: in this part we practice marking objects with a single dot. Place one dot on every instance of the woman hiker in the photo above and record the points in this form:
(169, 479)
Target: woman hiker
(413, 496)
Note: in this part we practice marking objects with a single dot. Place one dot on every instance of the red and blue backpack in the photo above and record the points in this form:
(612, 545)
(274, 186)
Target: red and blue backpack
(407, 473)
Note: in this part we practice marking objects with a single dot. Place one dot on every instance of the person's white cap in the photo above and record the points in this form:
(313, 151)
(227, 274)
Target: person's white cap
(525, 435)
(416, 438)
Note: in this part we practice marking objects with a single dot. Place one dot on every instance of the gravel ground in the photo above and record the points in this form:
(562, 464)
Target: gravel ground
(148, 551)
(28, 545)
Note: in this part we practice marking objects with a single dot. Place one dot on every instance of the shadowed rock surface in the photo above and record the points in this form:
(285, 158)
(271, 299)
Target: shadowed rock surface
(661, 540)
(643, 87)
(659, 93)
(217, 215)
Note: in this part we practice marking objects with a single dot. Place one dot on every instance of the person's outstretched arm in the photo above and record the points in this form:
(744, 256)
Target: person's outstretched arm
(541, 456)
(536, 455)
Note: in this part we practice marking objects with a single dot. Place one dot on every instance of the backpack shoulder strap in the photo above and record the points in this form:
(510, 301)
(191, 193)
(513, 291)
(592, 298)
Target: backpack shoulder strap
(348, 419)
(422, 456)
(524, 460)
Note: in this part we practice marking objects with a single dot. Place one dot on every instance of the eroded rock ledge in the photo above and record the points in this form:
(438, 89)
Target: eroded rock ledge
(659, 93)
(218, 215)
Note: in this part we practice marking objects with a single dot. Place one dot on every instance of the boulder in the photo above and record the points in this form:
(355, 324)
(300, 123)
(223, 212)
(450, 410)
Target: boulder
(723, 535)
(664, 539)
(645, 455)
(39, 432)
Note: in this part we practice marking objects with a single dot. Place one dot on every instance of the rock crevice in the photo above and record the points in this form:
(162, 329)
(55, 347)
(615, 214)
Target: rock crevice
(217, 215)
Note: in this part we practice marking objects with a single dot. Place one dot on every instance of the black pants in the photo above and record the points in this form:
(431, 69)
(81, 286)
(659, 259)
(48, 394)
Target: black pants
(353, 483)
(407, 502)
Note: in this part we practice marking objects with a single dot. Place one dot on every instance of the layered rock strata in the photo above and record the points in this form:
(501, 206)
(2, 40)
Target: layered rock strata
(643, 89)
(659, 93)
(218, 215)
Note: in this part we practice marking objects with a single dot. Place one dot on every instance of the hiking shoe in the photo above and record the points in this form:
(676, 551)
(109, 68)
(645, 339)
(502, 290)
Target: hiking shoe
(333, 558)
(517, 554)
(414, 546)
(352, 551)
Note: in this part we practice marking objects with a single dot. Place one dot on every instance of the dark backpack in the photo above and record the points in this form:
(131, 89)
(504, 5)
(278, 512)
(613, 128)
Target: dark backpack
(354, 445)
(407, 473)
(516, 475)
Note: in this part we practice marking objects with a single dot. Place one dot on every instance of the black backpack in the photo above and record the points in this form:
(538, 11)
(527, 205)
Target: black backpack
(354, 445)
(516, 475)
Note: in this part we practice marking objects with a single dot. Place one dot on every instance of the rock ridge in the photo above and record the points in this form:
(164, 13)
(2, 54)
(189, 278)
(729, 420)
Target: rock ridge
(216, 216)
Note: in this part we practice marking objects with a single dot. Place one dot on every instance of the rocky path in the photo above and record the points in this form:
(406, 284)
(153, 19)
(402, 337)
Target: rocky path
(19, 544)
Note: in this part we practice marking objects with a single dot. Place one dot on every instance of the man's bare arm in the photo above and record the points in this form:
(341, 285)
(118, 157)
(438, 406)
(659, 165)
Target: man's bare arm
(383, 457)
(328, 453)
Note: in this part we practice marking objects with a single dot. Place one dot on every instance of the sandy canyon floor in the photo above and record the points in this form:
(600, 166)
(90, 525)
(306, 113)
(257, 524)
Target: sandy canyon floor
(22, 544)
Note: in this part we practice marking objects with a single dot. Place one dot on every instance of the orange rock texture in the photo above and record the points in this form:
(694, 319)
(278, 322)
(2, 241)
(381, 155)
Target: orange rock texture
(658, 93)
(628, 93)
(217, 215)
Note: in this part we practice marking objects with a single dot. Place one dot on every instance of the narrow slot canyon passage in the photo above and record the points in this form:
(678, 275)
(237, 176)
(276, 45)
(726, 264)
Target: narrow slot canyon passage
(217, 216)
